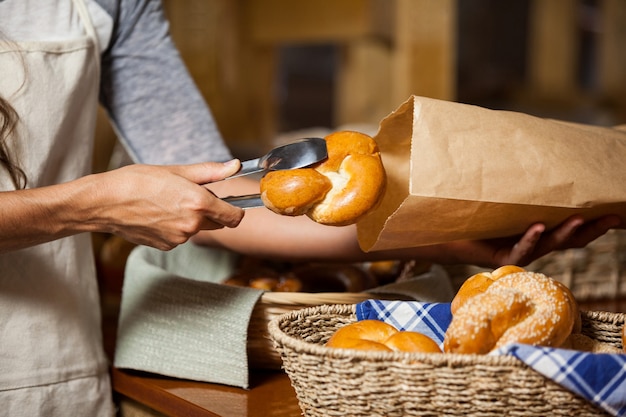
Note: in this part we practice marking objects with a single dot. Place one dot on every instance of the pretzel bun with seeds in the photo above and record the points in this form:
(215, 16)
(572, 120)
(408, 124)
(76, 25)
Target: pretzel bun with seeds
(338, 191)
(522, 307)
(478, 283)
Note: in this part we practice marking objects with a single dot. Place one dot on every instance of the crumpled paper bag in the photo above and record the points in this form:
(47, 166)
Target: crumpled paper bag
(458, 171)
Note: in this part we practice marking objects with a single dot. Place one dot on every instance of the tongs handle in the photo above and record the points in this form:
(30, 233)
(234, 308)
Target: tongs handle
(247, 168)
(245, 201)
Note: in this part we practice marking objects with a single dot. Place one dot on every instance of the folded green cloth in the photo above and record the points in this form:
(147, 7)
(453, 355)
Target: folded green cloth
(177, 320)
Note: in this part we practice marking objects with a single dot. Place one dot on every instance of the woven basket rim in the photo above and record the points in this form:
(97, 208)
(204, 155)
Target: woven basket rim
(437, 359)
(606, 316)
(310, 299)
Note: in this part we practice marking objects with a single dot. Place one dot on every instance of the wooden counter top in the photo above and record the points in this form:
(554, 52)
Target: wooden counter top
(270, 395)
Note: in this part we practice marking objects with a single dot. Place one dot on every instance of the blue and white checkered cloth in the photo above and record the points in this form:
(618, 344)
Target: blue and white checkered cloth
(600, 378)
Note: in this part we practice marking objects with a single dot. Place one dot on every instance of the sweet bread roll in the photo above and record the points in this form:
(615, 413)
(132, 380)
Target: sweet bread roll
(405, 341)
(285, 283)
(378, 335)
(474, 285)
(288, 283)
(277, 276)
(294, 192)
(523, 307)
(263, 283)
(337, 191)
(259, 275)
(478, 283)
(385, 272)
(364, 334)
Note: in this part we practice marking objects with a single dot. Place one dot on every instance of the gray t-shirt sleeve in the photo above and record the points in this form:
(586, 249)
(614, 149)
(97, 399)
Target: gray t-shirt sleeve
(157, 111)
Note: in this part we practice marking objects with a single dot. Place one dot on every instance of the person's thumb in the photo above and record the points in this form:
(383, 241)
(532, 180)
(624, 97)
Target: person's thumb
(206, 172)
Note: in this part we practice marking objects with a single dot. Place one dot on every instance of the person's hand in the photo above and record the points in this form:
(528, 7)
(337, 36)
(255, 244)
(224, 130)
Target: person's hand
(163, 206)
(537, 242)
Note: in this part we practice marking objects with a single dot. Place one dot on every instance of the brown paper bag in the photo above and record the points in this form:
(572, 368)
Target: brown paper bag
(457, 171)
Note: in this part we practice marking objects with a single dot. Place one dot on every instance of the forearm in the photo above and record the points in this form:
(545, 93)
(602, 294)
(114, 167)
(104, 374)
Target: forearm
(268, 235)
(264, 234)
(149, 205)
(33, 216)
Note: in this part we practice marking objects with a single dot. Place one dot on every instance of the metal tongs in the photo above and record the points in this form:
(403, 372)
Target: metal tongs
(298, 154)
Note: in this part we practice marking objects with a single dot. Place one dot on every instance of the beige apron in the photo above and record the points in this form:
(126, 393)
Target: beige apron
(51, 357)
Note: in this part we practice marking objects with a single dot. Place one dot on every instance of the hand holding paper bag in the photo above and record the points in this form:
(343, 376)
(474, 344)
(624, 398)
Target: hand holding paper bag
(461, 172)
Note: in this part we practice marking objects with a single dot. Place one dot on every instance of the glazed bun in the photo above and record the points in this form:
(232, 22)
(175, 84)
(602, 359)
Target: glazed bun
(364, 334)
(337, 191)
(378, 335)
(412, 342)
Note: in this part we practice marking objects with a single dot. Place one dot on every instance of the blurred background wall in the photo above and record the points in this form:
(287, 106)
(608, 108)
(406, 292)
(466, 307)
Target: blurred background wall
(272, 66)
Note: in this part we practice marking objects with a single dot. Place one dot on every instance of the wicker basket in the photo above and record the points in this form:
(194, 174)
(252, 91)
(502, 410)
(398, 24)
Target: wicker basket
(261, 351)
(336, 382)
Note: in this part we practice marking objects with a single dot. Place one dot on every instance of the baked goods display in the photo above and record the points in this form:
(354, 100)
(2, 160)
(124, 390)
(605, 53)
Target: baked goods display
(278, 283)
(489, 311)
(301, 277)
(263, 275)
(338, 191)
(344, 348)
(385, 271)
(378, 335)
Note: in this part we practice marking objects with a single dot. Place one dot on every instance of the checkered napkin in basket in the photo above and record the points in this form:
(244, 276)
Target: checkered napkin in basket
(600, 378)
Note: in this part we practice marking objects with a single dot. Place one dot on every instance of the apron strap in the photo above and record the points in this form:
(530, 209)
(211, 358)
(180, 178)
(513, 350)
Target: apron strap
(81, 7)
